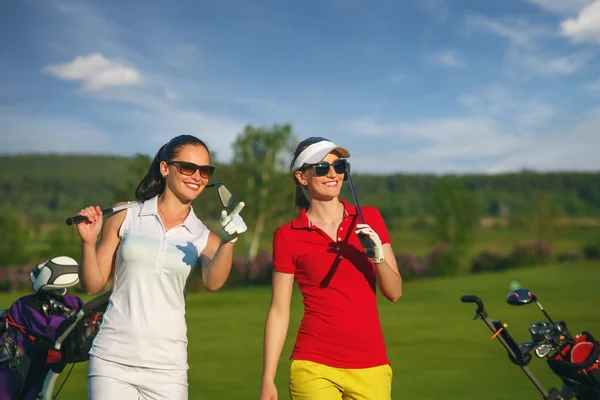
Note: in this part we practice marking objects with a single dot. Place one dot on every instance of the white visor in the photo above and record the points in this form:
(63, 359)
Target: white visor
(317, 152)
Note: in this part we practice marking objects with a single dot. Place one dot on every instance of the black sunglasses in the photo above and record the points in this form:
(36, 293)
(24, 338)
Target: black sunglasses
(322, 168)
(189, 169)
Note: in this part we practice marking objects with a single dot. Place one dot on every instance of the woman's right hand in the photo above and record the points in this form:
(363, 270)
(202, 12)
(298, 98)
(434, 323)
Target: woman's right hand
(268, 391)
(90, 229)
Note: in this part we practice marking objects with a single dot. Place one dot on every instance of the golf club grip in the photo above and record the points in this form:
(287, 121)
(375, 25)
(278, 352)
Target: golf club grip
(77, 219)
(364, 239)
(470, 298)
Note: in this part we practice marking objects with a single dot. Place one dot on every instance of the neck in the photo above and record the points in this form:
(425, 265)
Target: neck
(171, 205)
(326, 210)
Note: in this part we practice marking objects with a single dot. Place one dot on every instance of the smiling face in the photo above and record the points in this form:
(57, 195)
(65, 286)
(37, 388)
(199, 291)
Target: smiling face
(187, 187)
(325, 187)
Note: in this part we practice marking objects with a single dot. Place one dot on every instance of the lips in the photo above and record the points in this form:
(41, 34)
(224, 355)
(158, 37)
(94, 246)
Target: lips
(192, 186)
(331, 184)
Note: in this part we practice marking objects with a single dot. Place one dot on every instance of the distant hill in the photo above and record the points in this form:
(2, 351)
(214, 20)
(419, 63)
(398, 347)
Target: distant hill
(53, 186)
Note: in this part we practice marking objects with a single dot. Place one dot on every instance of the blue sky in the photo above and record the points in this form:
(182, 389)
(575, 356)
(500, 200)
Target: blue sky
(408, 86)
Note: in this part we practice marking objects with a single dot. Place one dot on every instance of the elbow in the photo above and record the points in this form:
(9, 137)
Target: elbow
(89, 291)
(394, 297)
(212, 286)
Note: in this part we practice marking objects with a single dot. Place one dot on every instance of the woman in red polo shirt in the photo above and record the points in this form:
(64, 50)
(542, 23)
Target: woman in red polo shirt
(339, 351)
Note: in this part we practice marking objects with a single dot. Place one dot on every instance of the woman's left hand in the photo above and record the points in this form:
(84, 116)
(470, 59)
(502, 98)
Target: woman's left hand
(365, 229)
(232, 225)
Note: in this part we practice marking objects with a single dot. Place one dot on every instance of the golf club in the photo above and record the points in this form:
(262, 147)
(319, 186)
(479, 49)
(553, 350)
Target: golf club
(364, 239)
(521, 297)
(534, 329)
(542, 350)
(225, 196)
(77, 219)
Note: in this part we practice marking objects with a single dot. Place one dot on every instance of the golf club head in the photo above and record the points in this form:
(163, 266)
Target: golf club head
(520, 297)
(542, 350)
(534, 329)
(225, 195)
(526, 347)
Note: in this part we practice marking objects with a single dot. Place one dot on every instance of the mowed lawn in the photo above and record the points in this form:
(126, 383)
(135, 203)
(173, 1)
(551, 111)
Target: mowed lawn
(436, 348)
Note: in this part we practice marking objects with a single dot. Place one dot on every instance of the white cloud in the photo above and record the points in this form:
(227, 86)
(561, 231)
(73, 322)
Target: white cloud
(549, 65)
(171, 95)
(563, 147)
(519, 32)
(593, 87)
(445, 58)
(159, 126)
(398, 77)
(437, 8)
(586, 26)
(96, 72)
(480, 144)
(497, 102)
(33, 132)
(560, 6)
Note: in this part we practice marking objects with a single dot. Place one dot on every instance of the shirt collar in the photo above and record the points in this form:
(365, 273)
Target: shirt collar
(150, 207)
(302, 221)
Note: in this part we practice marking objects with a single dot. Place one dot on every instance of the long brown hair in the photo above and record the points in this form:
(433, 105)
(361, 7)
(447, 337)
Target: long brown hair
(153, 183)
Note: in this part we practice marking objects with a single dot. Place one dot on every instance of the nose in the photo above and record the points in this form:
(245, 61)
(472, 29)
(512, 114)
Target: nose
(196, 175)
(331, 173)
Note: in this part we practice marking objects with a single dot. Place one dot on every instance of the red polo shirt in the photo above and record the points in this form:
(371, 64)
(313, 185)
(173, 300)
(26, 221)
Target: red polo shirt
(340, 326)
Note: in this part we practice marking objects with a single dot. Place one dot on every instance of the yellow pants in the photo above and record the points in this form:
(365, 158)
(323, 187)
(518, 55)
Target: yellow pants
(312, 381)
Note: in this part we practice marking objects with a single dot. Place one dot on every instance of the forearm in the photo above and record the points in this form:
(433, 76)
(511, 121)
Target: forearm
(217, 271)
(275, 331)
(390, 281)
(90, 276)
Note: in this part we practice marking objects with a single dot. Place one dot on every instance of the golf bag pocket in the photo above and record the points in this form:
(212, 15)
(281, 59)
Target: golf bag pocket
(77, 345)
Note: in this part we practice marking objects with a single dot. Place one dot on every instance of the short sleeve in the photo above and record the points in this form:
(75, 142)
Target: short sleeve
(282, 255)
(375, 220)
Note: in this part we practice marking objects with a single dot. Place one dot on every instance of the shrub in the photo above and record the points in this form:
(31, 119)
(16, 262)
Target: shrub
(570, 256)
(530, 253)
(410, 267)
(592, 251)
(442, 260)
(489, 260)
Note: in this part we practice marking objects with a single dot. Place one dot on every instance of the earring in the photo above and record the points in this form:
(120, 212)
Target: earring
(304, 182)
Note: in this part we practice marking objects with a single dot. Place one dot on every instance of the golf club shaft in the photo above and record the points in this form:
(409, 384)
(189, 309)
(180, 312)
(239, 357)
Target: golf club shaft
(525, 369)
(77, 219)
(544, 311)
(364, 240)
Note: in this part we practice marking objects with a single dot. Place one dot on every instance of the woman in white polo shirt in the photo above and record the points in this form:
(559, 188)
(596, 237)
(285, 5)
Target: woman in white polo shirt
(141, 349)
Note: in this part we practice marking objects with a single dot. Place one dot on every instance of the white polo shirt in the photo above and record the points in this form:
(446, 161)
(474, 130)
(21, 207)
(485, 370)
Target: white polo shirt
(144, 324)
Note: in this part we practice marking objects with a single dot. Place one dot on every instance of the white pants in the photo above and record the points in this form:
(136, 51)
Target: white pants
(111, 381)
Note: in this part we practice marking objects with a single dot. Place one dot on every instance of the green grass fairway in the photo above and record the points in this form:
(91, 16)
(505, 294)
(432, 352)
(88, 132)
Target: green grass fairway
(436, 349)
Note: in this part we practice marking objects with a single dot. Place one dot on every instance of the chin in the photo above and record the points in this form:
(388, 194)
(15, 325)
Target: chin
(189, 195)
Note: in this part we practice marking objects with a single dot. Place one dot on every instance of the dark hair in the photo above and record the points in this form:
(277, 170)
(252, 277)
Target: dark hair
(301, 201)
(153, 183)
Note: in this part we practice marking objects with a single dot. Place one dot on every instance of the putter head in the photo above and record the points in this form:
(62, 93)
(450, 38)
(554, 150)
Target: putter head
(520, 297)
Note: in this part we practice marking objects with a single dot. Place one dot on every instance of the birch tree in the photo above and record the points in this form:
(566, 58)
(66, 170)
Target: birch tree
(261, 157)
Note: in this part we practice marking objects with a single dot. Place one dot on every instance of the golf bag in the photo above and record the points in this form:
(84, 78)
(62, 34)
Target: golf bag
(41, 333)
(574, 359)
(577, 363)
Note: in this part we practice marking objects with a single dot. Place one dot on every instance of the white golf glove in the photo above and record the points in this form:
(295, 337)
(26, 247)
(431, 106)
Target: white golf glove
(374, 239)
(232, 225)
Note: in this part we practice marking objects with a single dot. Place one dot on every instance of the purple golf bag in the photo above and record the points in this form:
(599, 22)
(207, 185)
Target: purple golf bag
(43, 332)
